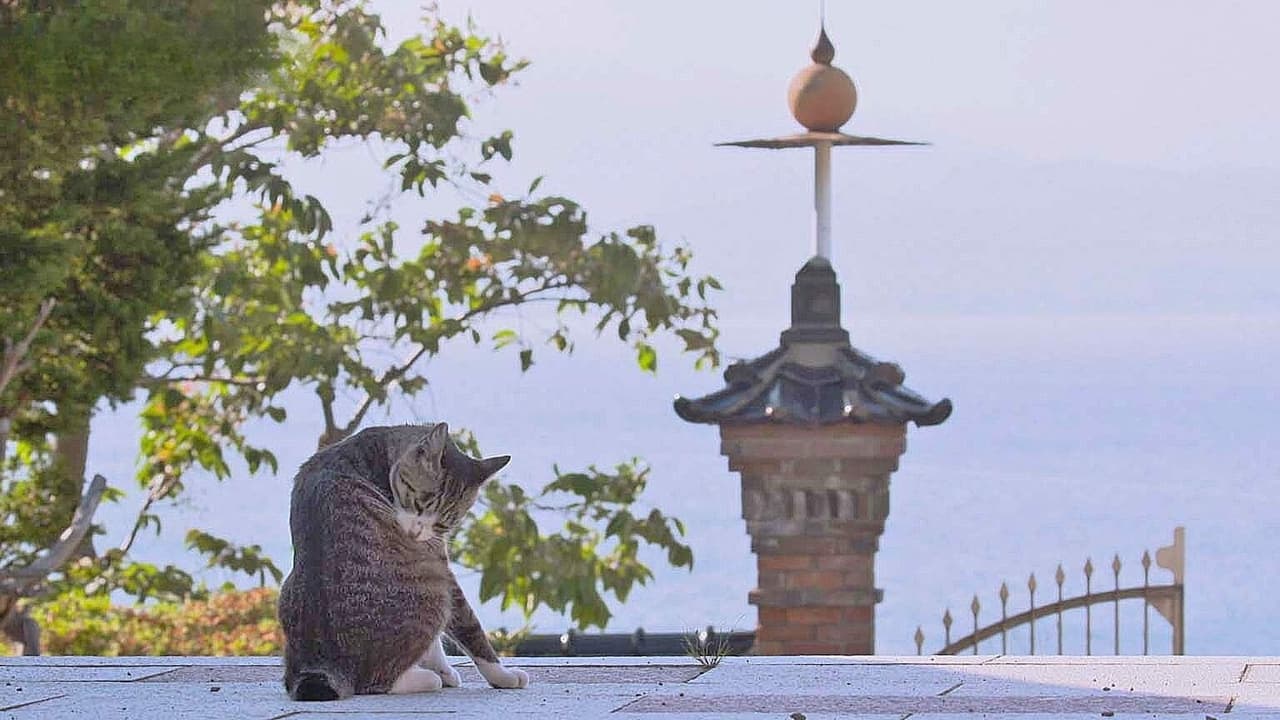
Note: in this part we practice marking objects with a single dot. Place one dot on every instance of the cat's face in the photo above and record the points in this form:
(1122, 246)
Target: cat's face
(437, 483)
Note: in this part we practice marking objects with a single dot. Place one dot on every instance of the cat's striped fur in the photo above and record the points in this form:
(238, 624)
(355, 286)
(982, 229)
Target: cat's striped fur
(371, 590)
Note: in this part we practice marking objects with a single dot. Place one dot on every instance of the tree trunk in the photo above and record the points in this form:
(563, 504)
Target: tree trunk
(71, 457)
(5, 426)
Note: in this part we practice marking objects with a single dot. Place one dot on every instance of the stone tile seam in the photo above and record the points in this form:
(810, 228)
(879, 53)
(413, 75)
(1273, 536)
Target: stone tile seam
(701, 672)
(951, 689)
(29, 703)
(645, 695)
(629, 703)
(365, 712)
(170, 671)
(100, 666)
(159, 670)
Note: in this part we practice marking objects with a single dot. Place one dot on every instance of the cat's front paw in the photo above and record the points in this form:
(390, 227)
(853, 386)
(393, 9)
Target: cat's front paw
(449, 676)
(502, 677)
(436, 660)
(416, 679)
(511, 679)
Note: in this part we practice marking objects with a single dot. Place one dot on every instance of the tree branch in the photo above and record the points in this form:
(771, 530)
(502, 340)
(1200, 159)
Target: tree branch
(24, 581)
(333, 433)
(174, 367)
(217, 146)
(15, 360)
(13, 363)
(160, 487)
(166, 380)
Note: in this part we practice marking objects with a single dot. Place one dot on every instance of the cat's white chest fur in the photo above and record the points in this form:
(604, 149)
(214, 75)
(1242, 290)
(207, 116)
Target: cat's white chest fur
(418, 527)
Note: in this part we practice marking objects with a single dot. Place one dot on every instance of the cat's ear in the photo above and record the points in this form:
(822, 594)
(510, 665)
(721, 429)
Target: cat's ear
(491, 465)
(436, 438)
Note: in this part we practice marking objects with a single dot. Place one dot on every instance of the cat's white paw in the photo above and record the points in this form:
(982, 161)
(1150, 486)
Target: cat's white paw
(416, 679)
(503, 677)
(449, 676)
(435, 659)
(510, 679)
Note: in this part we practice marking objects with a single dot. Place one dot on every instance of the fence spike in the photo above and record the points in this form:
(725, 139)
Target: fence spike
(1004, 618)
(975, 606)
(1146, 602)
(946, 623)
(1031, 585)
(1060, 577)
(1115, 567)
(919, 638)
(1088, 568)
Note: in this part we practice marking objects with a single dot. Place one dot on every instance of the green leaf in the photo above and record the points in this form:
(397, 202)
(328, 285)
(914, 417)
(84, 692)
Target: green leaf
(647, 358)
(505, 337)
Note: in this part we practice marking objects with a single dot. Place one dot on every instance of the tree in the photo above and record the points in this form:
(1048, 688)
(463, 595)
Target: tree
(96, 238)
(275, 301)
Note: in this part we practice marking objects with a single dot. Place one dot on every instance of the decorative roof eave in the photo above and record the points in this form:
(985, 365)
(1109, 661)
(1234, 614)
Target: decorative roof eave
(810, 139)
(841, 399)
(774, 388)
(814, 376)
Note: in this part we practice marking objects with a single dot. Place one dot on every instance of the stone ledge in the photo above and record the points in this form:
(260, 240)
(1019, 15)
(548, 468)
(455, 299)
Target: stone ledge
(927, 688)
(816, 597)
(863, 544)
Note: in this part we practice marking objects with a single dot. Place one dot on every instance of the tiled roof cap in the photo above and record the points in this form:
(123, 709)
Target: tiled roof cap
(815, 376)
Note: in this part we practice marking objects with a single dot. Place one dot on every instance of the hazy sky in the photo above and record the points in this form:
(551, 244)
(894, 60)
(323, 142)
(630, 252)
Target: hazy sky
(1084, 260)
(1088, 157)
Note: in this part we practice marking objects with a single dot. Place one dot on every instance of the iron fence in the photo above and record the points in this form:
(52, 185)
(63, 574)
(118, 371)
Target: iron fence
(1167, 600)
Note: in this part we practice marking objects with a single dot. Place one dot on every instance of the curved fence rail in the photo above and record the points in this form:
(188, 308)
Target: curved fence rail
(1166, 599)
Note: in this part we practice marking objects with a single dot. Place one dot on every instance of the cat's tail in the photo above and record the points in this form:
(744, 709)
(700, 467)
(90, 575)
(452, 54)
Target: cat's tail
(315, 685)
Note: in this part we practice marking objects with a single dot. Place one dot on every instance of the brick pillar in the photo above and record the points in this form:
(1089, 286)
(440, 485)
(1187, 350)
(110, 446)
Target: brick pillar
(815, 499)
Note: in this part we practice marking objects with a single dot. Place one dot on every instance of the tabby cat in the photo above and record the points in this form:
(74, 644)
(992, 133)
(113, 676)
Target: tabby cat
(371, 591)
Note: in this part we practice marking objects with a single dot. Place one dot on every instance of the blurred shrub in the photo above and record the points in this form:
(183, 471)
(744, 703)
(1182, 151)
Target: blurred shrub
(226, 623)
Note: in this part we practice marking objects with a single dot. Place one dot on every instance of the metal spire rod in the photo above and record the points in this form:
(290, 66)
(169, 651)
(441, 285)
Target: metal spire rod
(822, 199)
(822, 169)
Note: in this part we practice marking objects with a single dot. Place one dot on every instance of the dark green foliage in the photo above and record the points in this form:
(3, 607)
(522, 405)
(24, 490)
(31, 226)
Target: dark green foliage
(127, 225)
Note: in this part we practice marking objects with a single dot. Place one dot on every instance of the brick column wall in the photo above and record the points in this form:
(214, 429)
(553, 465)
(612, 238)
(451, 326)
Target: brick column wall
(815, 501)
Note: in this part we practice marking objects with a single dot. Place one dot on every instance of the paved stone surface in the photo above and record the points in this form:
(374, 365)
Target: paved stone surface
(1025, 688)
(98, 673)
(1262, 673)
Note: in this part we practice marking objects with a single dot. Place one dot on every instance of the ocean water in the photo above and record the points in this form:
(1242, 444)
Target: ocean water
(1081, 437)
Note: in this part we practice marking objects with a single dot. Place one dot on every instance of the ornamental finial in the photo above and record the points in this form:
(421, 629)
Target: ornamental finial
(824, 52)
